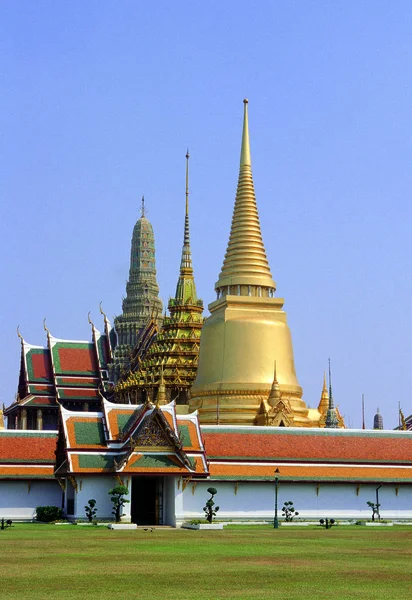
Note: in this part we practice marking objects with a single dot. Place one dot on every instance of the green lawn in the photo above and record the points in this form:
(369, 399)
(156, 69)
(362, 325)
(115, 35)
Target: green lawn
(250, 562)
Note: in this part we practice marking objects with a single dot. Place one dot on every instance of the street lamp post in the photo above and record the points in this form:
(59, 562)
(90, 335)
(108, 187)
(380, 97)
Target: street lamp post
(276, 520)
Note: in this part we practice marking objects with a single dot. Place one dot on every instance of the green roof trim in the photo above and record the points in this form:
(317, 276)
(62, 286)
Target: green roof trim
(292, 431)
(96, 461)
(151, 461)
(312, 480)
(123, 421)
(184, 435)
(4, 476)
(14, 433)
(287, 459)
(31, 368)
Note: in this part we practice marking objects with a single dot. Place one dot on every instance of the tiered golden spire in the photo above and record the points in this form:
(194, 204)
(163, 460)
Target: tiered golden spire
(245, 264)
(324, 398)
(275, 394)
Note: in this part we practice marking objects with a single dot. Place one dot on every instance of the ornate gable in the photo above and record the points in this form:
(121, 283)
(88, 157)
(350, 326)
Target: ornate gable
(155, 434)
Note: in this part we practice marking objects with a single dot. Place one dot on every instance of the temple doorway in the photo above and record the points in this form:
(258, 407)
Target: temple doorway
(147, 500)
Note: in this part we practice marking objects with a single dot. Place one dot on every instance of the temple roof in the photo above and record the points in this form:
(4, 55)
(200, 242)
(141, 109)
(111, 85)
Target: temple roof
(308, 454)
(27, 454)
(133, 439)
(66, 370)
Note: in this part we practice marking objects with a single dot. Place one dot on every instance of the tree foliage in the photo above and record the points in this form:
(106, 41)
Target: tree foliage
(47, 514)
(117, 496)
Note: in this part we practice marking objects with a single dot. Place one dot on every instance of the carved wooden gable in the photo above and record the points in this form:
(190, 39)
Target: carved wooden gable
(155, 434)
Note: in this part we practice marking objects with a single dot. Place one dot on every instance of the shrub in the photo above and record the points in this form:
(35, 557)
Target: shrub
(210, 508)
(289, 511)
(47, 514)
(90, 510)
(117, 497)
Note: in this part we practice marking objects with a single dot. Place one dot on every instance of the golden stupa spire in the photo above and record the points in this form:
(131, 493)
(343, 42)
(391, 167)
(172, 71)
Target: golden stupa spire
(275, 394)
(245, 266)
(324, 398)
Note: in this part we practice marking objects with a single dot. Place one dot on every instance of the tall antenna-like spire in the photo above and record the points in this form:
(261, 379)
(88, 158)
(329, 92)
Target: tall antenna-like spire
(331, 405)
(363, 411)
(186, 240)
(143, 208)
(186, 289)
(245, 264)
(331, 416)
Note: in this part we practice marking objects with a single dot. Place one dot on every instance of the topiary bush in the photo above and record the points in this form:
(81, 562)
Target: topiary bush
(47, 514)
(210, 508)
(289, 511)
(117, 497)
(91, 510)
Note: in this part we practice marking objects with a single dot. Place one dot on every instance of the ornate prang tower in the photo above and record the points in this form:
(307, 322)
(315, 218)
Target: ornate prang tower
(247, 330)
(142, 296)
(169, 368)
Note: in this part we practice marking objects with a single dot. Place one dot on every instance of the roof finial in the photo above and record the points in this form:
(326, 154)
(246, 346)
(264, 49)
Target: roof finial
(143, 209)
(45, 326)
(89, 319)
(19, 334)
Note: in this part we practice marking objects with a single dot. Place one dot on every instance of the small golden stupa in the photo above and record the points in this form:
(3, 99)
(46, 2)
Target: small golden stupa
(247, 330)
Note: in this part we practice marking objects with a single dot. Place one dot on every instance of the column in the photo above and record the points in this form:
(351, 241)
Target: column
(39, 419)
(24, 418)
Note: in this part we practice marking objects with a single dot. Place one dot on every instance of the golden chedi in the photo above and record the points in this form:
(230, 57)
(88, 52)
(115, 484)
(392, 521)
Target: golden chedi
(247, 330)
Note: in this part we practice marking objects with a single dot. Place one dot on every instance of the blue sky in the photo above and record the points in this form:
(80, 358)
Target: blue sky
(99, 101)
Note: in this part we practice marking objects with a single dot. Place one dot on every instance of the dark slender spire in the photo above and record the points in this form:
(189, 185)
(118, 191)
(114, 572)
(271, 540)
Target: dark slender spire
(378, 420)
(143, 208)
(363, 412)
(331, 416)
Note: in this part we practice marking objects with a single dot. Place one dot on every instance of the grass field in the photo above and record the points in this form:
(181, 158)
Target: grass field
(250, 562)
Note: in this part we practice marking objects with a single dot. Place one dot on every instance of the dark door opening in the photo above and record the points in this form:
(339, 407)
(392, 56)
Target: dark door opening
(147, 500)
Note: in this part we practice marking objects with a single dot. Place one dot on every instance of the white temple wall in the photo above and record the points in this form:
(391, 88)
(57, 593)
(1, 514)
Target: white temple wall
(256, 500)
(19, 499)
(97, 487)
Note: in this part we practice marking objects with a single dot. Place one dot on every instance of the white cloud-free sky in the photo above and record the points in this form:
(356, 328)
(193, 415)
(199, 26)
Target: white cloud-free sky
(98, 103)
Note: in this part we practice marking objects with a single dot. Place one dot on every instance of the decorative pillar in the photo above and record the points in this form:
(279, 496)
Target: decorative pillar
(39, 419)
(24, 418)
